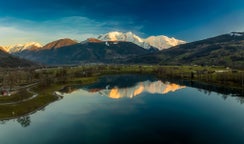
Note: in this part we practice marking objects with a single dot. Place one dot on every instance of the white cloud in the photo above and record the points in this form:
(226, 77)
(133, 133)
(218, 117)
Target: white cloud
(13, 30)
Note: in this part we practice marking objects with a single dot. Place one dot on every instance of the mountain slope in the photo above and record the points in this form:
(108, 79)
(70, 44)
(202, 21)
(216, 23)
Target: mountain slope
(92, 52)
(7, 60)
(159, 42)
(225, 50)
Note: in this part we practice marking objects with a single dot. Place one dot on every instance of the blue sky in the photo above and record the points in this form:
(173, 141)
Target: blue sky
(47, 20)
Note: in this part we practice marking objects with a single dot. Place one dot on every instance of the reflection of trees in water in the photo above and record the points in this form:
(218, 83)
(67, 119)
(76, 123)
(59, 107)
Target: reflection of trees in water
(24, 121)
(2, 122)
(240, 100)
(223, 91)
(224, 96)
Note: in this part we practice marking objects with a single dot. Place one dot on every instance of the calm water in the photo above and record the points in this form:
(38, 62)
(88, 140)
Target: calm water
(132, 109)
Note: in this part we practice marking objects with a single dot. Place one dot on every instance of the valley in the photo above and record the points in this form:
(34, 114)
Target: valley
(121, 72)
(117, 68)
(31, 73)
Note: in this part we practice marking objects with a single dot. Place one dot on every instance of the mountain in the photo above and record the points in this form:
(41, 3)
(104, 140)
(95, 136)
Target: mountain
(34, 46)
(21, 47)
(224, 50)
(7, 60)
(59, 43)
(159, 42)
(89, 51)
(128, 37)
(2, 49)
(163, 42)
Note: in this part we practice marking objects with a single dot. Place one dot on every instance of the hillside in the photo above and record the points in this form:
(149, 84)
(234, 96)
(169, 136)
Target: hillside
(7, 60)
(224, 50)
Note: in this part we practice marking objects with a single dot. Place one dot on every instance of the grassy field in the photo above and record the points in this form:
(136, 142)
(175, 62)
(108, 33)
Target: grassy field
(20, 95)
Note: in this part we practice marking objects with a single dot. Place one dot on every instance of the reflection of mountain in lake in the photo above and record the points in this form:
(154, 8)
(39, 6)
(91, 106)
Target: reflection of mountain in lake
(126, 86)
(156, 87)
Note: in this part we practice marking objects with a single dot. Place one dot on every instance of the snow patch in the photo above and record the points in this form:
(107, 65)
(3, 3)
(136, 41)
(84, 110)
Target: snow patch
(107, 44)
(236, 34)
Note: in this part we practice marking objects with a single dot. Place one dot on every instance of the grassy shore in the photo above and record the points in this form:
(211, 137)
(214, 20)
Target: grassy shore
(45, 97)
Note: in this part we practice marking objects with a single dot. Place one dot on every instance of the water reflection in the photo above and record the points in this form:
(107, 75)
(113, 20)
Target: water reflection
(115, 92)
(129, 85)
(208, 88)
(24, 121)
(182, 115)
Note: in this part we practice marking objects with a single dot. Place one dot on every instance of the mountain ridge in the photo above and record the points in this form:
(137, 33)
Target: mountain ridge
(160, 42)
(85, 52)
(225, 50)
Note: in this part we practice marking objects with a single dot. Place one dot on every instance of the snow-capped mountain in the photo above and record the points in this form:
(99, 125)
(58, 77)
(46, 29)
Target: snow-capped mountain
(163, 42)
(159, 42)
(21, 47)
(128, 37)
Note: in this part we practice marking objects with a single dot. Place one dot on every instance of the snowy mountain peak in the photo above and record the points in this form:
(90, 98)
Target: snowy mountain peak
(21, 47)
(163, 42)
(159, 42)
(128, 37)
(118, 36)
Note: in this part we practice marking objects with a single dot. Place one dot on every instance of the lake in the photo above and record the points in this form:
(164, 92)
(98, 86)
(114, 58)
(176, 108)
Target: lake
(134, 109)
